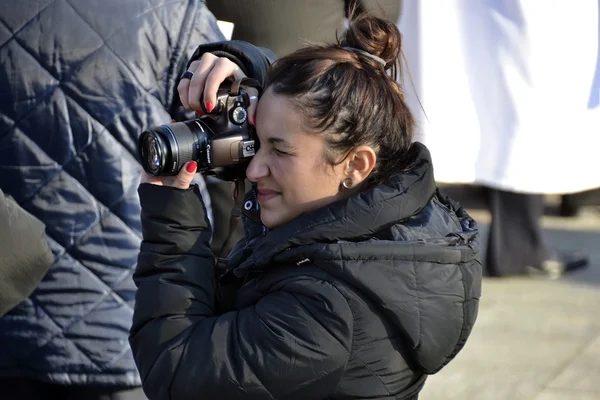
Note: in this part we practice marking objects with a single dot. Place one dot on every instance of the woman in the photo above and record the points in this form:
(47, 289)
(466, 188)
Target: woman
(356, 279)
(282, 26)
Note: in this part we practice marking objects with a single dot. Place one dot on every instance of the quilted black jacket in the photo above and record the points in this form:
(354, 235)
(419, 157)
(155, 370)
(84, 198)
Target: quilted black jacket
(357, 300)
(79, 81)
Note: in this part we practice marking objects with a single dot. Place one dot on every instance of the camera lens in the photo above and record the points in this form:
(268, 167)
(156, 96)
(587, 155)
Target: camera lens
(151, 154)
(165, 149)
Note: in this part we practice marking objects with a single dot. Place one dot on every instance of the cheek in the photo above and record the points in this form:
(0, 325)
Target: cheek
(306, 181)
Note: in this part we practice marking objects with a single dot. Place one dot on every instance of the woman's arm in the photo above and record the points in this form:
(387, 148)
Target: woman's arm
(292, 344)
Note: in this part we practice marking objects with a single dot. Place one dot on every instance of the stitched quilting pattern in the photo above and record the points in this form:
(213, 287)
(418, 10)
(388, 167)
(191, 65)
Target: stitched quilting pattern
(79, 82)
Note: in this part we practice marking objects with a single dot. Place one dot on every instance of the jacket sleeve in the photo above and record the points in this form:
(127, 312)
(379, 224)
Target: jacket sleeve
(253, 60)
(25, 255)
(294, 343)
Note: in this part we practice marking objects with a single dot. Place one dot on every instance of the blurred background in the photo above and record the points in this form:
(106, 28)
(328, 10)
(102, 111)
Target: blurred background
(507, 98)
(513, 88)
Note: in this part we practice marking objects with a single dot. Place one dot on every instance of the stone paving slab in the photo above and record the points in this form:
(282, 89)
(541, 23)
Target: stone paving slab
(583, 374)
(565, 395)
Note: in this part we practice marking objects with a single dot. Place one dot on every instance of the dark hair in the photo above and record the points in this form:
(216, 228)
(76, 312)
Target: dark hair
(352, 98)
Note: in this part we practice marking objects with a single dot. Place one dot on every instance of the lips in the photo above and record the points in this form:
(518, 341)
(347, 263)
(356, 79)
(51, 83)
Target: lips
(266, 195)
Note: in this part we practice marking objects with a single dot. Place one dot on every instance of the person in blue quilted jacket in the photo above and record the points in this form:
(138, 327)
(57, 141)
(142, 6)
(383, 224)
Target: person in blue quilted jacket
(79, 81)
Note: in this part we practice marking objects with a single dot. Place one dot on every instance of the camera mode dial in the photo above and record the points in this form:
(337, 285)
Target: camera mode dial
(238, 114)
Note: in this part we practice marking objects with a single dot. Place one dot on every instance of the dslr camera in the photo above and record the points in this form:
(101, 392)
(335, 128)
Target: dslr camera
(222, 142)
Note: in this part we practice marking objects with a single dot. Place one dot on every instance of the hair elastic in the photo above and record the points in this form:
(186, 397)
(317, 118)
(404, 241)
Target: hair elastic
(366, 54)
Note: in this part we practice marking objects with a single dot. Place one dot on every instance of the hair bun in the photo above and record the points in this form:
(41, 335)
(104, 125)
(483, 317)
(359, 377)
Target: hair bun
(376, 36)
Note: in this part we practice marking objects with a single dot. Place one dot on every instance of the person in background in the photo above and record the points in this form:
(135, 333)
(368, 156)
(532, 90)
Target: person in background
(519, 99)
(79, 80)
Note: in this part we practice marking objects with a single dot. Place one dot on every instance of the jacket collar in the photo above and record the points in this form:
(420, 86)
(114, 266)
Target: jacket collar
(354, 219)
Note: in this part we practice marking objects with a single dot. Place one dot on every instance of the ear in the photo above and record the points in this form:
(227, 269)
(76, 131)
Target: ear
(360, 163)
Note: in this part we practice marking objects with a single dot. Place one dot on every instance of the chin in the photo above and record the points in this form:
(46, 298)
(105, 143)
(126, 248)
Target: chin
(271, 220)
(270, 223)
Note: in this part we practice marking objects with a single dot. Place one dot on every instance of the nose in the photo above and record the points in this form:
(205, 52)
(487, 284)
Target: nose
(258, 167)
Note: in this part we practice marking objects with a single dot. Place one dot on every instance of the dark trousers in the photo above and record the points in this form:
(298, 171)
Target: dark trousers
(516, 239)
(31, 389)
(285, 25)
(571, 203)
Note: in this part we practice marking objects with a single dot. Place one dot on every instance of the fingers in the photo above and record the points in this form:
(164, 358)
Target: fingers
(184, 178)
(222, 69)
(190, 90)
(155, 180)
(198, 82)
(184, 86)
(209, 73)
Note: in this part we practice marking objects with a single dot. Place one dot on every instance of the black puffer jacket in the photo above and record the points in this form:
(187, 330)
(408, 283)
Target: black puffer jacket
(357, 300)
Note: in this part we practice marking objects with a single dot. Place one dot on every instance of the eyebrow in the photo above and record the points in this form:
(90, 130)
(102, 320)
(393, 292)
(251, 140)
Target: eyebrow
(276, 140)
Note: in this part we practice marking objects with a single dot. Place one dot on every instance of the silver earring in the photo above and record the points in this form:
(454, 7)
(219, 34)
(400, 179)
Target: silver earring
(348, 183)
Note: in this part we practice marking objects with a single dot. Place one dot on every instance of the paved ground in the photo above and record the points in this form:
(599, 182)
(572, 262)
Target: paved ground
(534, 340)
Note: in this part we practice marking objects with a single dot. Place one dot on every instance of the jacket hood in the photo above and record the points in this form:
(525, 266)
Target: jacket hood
(405, 245)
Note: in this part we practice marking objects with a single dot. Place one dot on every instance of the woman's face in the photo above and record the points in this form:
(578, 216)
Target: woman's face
(289, 168)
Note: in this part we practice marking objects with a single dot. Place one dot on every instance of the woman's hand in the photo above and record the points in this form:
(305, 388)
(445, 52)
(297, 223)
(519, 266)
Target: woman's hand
(209, 72)
(182, 180)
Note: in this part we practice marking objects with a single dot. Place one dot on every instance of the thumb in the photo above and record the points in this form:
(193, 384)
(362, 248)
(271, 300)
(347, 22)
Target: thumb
(185, 176)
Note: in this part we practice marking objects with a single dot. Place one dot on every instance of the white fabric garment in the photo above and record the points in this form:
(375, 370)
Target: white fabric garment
(226, 28)
(511, 90)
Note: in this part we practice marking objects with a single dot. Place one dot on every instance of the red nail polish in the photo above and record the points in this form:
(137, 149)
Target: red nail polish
(253, 120)
(199, 112)
(209, 106)
(172, 120)
(191, 167)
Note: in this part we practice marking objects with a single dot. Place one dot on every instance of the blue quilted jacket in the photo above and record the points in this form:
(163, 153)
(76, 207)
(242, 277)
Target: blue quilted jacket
(79, 80)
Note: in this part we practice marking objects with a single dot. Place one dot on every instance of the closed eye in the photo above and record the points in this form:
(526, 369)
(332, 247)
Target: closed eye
(280, 152)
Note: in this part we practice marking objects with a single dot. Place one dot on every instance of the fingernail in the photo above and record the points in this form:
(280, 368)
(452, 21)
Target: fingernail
(172, 120)
(199, 112)
(209, 106)
(253, 120)
(191, 167)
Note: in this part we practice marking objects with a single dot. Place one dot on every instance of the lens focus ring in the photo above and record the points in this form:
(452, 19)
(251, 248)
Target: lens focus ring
(186, 143)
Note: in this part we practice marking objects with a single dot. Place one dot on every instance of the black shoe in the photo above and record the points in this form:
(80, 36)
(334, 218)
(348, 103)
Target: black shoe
(554, 268)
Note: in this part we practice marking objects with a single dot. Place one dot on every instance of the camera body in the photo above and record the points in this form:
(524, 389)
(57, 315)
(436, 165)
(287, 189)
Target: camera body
(222, 142)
